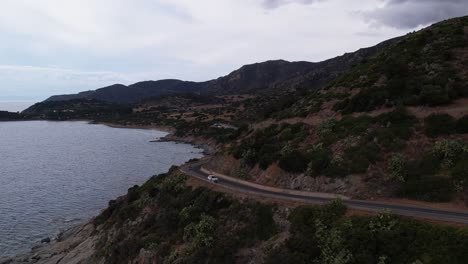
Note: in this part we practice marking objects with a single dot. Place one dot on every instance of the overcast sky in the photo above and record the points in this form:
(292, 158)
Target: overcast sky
(56, 46)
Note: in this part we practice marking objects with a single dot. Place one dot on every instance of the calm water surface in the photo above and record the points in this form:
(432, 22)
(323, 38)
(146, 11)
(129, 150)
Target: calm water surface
(57, 174)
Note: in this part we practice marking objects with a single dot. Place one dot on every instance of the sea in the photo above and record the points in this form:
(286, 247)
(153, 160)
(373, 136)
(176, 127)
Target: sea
(55, 175)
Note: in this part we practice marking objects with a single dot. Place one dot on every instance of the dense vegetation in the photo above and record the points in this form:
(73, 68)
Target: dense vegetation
(274, 143)
(173, 223)
(323, 235)
(437, 175)
(180, 224)
(421, 69)
(364, 138)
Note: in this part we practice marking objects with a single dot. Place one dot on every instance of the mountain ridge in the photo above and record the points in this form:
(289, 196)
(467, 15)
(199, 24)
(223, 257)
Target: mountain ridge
(267, 76)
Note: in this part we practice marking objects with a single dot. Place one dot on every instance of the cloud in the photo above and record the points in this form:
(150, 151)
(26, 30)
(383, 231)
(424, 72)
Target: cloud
(37, 82)
(271, 4)
(408, 14)
(96, 43)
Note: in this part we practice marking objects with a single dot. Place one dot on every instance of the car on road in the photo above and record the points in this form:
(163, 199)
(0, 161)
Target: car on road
(213, 178)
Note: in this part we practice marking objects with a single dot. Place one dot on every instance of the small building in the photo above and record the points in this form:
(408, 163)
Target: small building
(223, 126)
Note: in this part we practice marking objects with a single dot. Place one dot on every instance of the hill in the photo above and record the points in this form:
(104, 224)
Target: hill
(393, 126)
(385, 122)
(119, 93)
(266, 77)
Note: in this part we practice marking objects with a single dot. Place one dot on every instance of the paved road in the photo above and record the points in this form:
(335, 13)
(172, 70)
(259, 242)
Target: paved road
(194, 170)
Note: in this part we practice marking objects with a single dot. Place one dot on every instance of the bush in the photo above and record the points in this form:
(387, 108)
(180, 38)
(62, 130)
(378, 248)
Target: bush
(388, 140)
(462, 125)
(428, 165)
(319, 160)
(439, 124)
(263, 226)
(293, 162)
(267, 155)
(428, 188)
(448, 151)
(397, 167)
(399, 123)
(434, 95)
(383, 238)
(350, 125)
(337, 168)
(133, 194)
(360, 157)
(459, 174)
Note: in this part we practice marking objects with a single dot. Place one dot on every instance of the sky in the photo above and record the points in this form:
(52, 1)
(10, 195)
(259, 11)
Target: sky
(57, 47)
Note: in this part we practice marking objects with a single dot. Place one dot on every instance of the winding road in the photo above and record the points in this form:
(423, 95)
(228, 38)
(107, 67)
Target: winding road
(196, 170)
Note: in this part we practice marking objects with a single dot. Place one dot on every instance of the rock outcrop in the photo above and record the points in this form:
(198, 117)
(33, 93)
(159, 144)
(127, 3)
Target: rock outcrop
(74, 246)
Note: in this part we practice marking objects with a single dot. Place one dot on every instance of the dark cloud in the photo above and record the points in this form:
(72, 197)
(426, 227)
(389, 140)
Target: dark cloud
(406, 14)
(271, 4)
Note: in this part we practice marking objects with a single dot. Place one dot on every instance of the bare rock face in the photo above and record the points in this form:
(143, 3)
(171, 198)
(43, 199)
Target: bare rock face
(75, 246)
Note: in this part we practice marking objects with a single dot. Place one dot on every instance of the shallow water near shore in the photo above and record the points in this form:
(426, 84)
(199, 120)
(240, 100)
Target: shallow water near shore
(54, 175)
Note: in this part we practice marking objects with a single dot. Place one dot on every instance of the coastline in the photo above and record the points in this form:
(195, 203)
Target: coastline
(73, 245)
(152, 127)
(207, 146)
(78, 241)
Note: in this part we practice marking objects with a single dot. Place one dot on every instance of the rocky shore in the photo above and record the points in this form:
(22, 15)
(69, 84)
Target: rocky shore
(73, 246)
(77, 244)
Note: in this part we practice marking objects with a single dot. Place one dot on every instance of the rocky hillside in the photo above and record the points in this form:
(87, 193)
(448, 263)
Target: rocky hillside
(393, 126)
(171, 220)
(265, 77)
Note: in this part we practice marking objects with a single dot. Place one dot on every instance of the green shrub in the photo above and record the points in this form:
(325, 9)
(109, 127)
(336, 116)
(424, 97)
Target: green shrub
(133, 194)
(350, 125)
(319, 160)
(398, 123)
(294, 161)
(428, 165)
(361, 156)
(263, 225)
(434, 95)
(388, 140)
(462, 125)
(428, 188)
(448, 151)
(326, 126)
(249, 157)
(268, 154)
(439, 124)
(337, 168)
(397, 167)
(459, 174)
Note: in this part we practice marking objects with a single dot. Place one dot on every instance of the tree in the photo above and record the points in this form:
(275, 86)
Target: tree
(397, 167)
(332, 245)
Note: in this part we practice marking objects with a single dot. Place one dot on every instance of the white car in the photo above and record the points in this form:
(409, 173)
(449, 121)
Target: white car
(213, 178)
